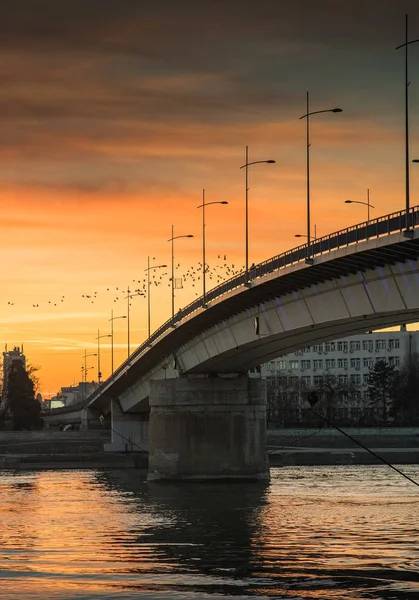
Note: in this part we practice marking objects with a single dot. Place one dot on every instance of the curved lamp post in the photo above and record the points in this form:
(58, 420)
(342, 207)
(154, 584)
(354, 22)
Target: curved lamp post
(99, 337)
(172, 239)
(246, 167)
(86, 356)
(128, 305)
(367, 204)
(203, 205)
(303, 235)
(406, 111)
(148, 291)
(307, 117)
(112, 319)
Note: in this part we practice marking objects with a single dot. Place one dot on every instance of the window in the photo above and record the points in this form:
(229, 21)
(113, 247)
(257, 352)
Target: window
(368, 362)
(343, 379)
(318, 380)
(342, 363)
(318, 348)
(343, 346)
(380, 345)
(394, 361)
(298, 352)
(355, 346)
(305, 380)
(367, 345)
(307, 349)
(393, 344)
(366, 379)
(317, 364)
(329, 347)
(330, 363)
(282, 364)
(355, 363)
(305, 364)
(356, 379)
(294, 364)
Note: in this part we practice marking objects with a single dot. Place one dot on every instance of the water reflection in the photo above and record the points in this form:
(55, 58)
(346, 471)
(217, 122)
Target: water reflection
(313, 532)
(207, 528)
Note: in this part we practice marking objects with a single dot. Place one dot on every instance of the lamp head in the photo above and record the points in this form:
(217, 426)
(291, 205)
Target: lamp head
(348, 201)
(190, 235)
(337, 110)
(224, 202)
(415, 160)
(299, 235)
(270, 161)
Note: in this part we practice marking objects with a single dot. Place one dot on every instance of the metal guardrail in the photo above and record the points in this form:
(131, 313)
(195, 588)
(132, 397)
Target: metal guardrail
(374, 228)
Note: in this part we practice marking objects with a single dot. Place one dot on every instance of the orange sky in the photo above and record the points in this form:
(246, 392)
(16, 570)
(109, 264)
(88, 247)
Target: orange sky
(112, 122)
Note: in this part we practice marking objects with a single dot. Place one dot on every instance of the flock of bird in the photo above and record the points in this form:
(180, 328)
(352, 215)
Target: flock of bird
(184, 277)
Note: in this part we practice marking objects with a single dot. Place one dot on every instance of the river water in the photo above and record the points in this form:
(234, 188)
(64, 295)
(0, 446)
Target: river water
(343, 532)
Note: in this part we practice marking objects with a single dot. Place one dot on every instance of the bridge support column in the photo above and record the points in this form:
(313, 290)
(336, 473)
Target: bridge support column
(208, 428)
(129, 431)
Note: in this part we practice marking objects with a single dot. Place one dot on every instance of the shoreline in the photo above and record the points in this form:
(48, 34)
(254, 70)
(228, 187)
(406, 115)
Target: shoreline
(277, 458)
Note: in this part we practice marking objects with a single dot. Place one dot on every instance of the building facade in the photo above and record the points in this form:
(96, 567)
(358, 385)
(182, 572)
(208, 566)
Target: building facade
(348, 360)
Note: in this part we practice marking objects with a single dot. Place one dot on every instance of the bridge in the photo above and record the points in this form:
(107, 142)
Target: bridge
(185, 391)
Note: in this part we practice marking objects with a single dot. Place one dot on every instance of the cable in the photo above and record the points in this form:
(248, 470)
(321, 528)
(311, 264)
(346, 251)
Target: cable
(128, 440)
(295, 441)
(383, 460)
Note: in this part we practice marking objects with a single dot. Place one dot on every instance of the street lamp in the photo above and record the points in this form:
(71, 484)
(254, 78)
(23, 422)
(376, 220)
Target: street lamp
(99, 374)
(148, 291)
(406, 108)
(303, 235)
(129, 297)
(307, 117)
(367, 204)
(172, 239)
(86, 356)
(246, 167)
(112, 319)
(203, 205)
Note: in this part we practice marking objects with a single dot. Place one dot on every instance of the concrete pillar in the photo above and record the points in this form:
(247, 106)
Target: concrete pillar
(129, 432)
(208, 428)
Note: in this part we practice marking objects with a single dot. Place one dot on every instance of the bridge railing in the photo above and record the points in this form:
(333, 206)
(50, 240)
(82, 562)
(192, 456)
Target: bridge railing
(374, 228)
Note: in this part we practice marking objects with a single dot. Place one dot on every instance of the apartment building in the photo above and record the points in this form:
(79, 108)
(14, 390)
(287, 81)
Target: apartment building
(348, 359)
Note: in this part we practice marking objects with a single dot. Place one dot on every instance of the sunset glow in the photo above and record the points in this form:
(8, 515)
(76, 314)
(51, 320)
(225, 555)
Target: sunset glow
(114, 119)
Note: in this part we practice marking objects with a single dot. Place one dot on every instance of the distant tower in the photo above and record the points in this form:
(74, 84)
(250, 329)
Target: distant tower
(8, 358)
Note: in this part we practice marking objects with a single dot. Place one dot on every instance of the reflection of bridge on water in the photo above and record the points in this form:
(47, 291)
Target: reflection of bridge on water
(200, 529)
(185, 391)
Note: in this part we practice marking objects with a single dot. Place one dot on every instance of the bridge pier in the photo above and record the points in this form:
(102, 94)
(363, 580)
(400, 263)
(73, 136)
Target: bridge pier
(129, 432)
(208, 428)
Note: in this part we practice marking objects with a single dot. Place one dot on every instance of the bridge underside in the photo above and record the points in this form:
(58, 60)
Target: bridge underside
(375, 298)
(349, 292)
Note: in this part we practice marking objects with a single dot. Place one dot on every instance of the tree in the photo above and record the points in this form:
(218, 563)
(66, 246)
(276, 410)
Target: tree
(335, 394)
(405, 405)
(283, 407)
(24, 408)
(383, 380)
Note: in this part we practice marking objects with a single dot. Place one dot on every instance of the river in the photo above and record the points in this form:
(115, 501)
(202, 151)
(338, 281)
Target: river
(343, 532)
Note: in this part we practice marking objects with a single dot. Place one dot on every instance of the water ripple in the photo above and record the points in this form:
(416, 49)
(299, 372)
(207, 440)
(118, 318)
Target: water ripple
(314, 533)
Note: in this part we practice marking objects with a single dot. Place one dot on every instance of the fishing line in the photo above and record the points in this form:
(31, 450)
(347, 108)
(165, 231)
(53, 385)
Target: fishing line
(313, 399)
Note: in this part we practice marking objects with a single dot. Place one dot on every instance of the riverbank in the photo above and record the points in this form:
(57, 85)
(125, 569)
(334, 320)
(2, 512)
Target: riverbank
(104, 460)
(332, 447)
(286, 447)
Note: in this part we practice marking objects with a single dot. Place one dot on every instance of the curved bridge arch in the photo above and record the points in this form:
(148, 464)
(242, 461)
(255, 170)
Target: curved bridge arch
(360, 279)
